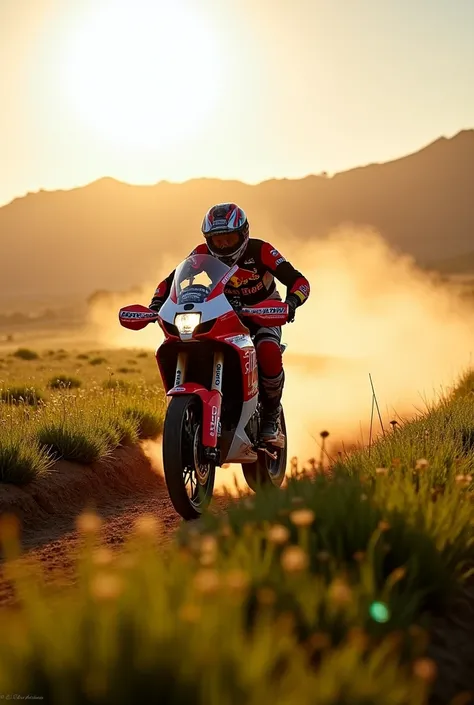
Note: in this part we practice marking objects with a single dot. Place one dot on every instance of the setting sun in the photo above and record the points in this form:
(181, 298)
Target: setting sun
(140, 73)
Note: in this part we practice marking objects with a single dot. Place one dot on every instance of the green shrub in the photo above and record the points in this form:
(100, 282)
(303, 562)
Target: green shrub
(127, 431)
(81, 445)
(64, 382)
(20, 461)
(149, 423)
(21, 395)
(97, 361)
(26, 354)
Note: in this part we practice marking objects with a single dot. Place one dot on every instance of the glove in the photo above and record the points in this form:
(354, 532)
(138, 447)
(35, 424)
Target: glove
(156, 305)
(293, 303)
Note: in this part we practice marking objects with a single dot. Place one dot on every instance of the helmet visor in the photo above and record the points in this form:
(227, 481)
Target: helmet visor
(224, 241)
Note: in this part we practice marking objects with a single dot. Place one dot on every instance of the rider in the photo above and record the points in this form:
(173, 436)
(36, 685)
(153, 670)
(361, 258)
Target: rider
(226, 230)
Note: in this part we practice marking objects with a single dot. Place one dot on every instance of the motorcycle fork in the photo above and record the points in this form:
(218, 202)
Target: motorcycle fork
(181, 364)
(217, 372)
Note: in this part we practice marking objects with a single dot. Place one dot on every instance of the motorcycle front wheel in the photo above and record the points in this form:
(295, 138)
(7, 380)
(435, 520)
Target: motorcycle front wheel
(266, 471)
(189, 480)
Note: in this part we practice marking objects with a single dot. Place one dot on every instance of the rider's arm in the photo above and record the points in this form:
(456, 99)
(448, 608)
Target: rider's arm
(162, 292)
(297, 286)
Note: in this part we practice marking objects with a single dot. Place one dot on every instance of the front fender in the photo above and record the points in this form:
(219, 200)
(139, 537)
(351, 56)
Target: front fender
(211, 409)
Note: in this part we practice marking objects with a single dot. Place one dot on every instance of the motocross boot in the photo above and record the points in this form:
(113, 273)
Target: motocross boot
(271, 389)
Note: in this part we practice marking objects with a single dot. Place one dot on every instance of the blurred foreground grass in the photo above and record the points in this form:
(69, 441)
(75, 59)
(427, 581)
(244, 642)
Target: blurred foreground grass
(323, 592)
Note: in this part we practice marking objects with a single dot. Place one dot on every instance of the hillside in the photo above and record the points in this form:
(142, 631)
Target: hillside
(111, 235)
(462, 264)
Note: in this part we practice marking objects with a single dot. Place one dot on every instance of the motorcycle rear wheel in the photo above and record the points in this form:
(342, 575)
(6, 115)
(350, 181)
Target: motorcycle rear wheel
(266, 471)
(182, 453)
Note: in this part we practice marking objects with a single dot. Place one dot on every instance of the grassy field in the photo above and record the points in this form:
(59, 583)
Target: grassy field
(324, 592)
(73, 405)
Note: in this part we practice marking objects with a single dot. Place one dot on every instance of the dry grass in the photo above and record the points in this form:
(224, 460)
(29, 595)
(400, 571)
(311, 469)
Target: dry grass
(86, 411)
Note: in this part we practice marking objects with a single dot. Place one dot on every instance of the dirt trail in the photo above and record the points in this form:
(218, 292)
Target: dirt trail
(120, 491)
(56, 545)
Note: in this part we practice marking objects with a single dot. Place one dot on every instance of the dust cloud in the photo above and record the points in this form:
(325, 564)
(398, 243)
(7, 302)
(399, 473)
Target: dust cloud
(371, 310)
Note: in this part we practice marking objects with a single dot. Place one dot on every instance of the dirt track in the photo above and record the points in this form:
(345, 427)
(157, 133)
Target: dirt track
(120, 491)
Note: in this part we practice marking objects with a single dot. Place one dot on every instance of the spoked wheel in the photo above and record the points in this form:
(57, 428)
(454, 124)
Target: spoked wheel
(267, 471)
(189, 480)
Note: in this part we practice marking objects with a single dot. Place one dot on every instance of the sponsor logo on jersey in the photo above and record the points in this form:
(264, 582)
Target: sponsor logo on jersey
(243, 276)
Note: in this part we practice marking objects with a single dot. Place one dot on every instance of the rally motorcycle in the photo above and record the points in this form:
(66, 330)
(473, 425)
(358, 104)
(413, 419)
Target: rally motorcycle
(208, 366)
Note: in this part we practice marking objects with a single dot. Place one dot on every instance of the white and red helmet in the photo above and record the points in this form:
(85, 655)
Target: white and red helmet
(226, 219)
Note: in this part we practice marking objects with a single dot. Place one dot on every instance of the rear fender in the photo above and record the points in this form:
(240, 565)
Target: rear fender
(211, 409)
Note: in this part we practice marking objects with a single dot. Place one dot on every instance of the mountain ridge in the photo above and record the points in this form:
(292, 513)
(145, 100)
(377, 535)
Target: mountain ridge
(92, 236)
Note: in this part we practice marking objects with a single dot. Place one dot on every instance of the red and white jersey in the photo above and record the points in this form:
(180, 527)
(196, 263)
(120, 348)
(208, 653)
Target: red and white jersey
(254, 282)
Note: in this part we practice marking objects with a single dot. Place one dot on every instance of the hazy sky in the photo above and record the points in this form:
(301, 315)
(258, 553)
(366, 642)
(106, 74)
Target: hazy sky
(145, 90)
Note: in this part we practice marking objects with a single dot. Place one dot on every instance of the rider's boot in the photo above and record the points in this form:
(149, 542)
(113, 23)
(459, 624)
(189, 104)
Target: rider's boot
(271, 389)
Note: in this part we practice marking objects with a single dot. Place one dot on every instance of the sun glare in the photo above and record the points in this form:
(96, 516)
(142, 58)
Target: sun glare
(142, 73)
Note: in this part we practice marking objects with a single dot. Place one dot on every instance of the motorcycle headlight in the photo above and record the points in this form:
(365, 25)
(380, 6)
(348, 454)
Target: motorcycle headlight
(187, 322)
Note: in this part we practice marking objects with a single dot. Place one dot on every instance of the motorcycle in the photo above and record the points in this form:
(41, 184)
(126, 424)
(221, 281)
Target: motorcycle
(208, 366)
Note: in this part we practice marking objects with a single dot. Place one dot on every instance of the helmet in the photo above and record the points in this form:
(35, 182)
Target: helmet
(226, 229)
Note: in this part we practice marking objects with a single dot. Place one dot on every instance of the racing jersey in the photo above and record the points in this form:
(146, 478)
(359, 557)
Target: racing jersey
(254, 281)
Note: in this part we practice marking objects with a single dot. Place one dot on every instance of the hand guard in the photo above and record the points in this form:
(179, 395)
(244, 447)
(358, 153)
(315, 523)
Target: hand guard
(293, 303)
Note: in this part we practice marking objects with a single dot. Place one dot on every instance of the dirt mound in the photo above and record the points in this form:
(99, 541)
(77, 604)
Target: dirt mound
(69, 488)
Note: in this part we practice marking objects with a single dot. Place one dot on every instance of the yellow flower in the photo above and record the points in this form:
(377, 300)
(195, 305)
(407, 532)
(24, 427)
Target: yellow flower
(398, 574)
(381, 471)
(208, 544)
(421, 464)
(278, 534)
(302, 517)
(225, 531)
(105, 587)
(102, 556)
(340, 592)
(464, 479)
(88, 523)
(207, 581)
(147, 525)
(425, 668)
(294, 559)
(237, 580)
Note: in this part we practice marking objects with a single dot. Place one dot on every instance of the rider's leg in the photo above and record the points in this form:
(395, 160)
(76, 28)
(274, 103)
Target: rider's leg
(271, 378)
